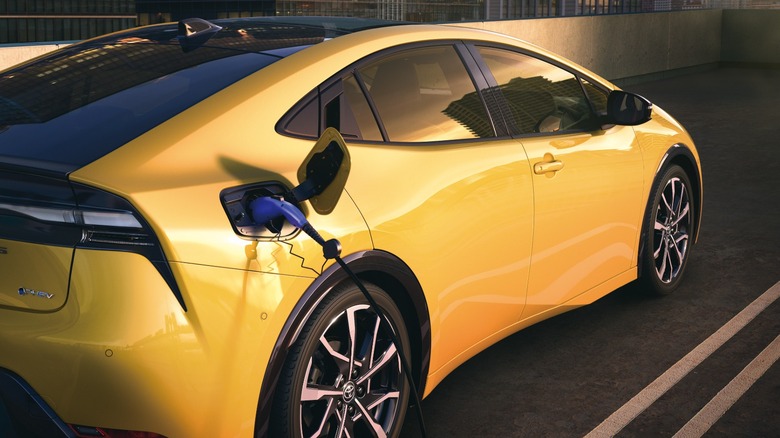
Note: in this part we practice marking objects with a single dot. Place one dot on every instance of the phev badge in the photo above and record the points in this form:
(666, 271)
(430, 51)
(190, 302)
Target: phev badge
(36, 293)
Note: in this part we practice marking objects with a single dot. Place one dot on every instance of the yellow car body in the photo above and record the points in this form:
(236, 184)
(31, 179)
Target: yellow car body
(494, 246)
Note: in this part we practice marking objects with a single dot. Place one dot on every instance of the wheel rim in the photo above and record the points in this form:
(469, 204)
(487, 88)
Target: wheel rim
(671, 230)
(353, 379)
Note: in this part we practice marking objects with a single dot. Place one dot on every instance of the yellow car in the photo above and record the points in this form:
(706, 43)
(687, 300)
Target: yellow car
(476, 184)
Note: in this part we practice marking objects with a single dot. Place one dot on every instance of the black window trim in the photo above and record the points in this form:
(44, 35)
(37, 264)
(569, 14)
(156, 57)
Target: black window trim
(497, 120)
(371, 105)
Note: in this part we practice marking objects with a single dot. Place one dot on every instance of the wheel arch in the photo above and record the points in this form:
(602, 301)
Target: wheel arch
(681, 155)
(384, 270)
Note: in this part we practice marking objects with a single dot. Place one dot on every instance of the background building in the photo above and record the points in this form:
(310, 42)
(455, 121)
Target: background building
(161, 11)
(23, 21)
(152, 11)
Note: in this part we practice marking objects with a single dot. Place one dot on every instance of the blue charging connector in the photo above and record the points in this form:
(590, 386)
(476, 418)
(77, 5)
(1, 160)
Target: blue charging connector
(266, 209)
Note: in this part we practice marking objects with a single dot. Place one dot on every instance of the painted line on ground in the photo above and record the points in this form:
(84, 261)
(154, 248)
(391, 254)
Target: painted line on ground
(640, 402)
(725, 399)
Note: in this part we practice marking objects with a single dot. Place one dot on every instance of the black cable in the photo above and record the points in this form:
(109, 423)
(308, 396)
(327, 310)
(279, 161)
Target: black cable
(383, 320)
(331, 249)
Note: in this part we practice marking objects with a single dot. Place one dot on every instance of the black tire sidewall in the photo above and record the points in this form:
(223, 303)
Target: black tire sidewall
(650, 279)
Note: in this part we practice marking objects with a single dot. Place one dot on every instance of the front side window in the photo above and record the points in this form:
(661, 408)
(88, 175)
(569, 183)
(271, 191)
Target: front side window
(425, 94)
(541, 97)
(598, 97)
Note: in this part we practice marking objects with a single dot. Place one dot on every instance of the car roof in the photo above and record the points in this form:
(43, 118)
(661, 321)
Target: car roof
(254, 34)
(72, 106)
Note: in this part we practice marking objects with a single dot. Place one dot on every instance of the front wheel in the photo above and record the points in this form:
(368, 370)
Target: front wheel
(343, 377)
(669, 232)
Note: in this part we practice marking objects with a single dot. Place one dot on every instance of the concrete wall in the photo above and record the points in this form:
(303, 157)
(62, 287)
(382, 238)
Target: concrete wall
(626, 48)
(751, 36)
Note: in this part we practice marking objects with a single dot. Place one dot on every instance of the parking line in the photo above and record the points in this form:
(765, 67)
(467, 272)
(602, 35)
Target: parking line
(725, 399)
(652, 392)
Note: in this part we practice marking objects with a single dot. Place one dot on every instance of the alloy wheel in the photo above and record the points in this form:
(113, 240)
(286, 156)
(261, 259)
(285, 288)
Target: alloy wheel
(353, 379)
(672, 229)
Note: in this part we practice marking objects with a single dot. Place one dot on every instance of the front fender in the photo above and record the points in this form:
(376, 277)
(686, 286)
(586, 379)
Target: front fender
(379, 267)
(681, 155)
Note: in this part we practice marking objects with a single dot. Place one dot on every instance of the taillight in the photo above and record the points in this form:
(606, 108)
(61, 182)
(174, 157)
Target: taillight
(110, 222)
(75, 216)
(50, 211)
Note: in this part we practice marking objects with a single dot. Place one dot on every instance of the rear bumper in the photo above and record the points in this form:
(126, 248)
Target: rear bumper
(23, 413)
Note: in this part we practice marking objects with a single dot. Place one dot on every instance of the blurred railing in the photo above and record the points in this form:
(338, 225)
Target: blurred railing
(154, 11)
(48, 20)
(512, 9)
(743, 4)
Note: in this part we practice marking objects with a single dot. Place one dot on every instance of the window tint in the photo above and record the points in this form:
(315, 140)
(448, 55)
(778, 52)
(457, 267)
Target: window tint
(542, 98)
(364, 123)
(341, 105)
(426, 94)
(345, 108)
(598, 97)
(305, 121)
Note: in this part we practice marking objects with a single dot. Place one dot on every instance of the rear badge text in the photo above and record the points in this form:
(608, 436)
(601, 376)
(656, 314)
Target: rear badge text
(35, 293)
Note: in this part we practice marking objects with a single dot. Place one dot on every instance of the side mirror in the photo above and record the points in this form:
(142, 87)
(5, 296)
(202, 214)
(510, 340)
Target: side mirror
(323, 174)
(627, 109)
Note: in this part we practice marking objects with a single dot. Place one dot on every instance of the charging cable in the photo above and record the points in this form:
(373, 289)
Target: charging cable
(265, 209)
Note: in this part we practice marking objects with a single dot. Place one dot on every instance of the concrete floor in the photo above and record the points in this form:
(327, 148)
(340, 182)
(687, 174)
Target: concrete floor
(564, 376)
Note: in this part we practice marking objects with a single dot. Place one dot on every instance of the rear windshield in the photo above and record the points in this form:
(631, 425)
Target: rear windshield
(78, 104)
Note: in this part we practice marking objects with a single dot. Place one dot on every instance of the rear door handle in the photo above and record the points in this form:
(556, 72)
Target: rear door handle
(547, 167)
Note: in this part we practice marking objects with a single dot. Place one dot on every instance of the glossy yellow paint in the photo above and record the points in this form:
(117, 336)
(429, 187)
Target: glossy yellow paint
(177, 186)
(466, 233)
(588, 297)
(26, 289)
(495, 246)
(131, 353)
(588, 214)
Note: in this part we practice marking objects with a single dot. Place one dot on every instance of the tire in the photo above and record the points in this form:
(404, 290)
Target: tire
(668, 233)
(320, 394)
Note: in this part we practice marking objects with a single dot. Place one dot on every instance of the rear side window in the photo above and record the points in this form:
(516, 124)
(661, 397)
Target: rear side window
(341, 105)
(365, 126)
(542, 97)
(426, 94)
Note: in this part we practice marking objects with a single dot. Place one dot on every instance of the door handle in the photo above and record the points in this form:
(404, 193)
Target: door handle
(547, 167)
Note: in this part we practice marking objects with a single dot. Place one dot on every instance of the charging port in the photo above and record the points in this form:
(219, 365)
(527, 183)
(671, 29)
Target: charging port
(236, 201)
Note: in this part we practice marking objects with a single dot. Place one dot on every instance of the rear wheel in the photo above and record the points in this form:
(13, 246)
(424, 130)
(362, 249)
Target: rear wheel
(669, 232)
(343, 377)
